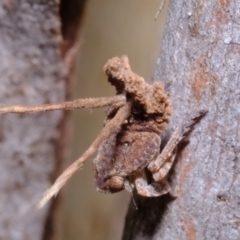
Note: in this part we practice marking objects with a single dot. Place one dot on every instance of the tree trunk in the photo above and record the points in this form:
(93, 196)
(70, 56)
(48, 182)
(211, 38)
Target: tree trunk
(199, 65)
(33, 71)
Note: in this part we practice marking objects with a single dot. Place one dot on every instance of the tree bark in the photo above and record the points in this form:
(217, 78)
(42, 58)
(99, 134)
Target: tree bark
(33, 147)
(199, 64)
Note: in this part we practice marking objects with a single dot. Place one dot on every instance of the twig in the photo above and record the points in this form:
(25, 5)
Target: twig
(112, 126)
(75, 104)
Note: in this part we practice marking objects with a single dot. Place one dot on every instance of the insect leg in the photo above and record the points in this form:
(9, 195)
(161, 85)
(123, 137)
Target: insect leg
(160, 9)
(167, 155)
(154, 189)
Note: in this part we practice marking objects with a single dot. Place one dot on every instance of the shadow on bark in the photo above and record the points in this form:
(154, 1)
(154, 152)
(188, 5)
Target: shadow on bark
(145, 218)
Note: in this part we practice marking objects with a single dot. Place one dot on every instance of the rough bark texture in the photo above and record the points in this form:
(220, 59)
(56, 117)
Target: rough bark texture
(199, 64)
(32, 146)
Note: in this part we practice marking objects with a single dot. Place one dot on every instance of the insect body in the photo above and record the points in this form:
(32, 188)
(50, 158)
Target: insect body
(124, 155)
(130, 141)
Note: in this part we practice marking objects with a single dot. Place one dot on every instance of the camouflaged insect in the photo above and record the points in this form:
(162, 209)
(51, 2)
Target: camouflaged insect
(129, 143)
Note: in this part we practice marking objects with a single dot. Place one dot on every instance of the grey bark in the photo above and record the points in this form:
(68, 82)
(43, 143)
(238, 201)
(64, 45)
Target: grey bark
(199, 64)
(32, 146)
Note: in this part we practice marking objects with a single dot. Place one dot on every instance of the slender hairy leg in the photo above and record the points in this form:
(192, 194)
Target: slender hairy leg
(154, 189)
(117, 100)
(168, 152)
(160, 9)
(165, 168)
(113, 126)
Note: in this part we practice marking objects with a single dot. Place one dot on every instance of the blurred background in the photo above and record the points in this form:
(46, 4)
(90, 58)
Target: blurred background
(109, 28)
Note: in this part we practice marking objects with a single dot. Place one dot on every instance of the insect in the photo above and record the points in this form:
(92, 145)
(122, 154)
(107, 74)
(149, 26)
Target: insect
(129, 142)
